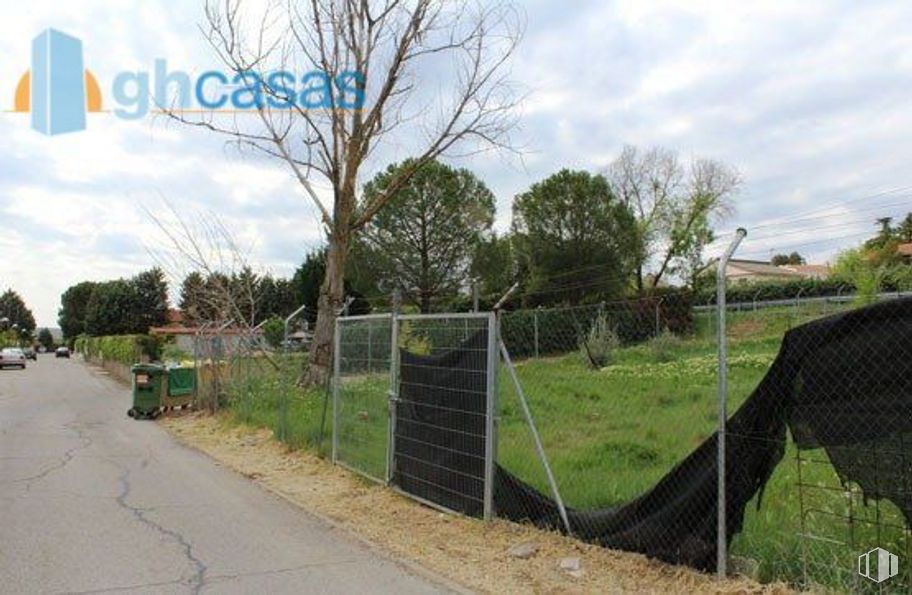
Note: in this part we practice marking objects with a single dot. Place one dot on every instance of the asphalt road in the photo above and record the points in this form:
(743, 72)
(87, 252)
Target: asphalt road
(93, 501)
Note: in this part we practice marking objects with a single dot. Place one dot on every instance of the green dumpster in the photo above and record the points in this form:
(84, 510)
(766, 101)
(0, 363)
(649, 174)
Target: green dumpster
(181, 387)
(147, 390)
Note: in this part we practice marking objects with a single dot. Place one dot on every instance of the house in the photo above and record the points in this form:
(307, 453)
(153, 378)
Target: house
(758, 270)
(809, 271)
(739, 271)
(208, 342)
(905, 250)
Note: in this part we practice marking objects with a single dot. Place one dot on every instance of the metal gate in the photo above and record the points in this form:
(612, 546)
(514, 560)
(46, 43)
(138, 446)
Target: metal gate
(439, 396)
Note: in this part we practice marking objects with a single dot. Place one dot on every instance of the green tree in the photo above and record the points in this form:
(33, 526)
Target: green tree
(274, 332)
(17, 314)
(150, 300)
(308, 278)
(110, 309)
(424, 239)
(494, 265)
(46, 339)
(576, 238)
(73, 308)
(787, 259)
(675, 206)
(904, 231)
(193, 299)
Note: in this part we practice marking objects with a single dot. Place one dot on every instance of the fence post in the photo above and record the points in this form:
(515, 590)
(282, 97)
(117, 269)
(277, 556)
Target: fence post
(535, 325)
(658, 316)
(474, 295)
(490, 413)
(552, 482)
(721, 534)
(393, 393)
(337, 357)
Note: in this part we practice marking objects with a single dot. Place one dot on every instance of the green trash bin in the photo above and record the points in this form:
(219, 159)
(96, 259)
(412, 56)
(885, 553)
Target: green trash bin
(148, 382)
(181, 387)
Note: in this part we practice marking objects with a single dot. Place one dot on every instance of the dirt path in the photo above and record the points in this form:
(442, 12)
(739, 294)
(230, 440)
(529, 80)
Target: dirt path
(468, 551)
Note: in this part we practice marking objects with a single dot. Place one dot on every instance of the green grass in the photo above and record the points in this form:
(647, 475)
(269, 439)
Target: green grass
(611, 434)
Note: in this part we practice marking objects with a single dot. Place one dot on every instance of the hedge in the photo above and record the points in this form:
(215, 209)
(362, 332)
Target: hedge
(126, 349)
(776, 290)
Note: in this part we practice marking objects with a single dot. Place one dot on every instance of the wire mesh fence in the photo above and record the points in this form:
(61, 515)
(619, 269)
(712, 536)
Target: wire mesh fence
(618, 413)
(443, 419)
(624, 402)
(361, 386)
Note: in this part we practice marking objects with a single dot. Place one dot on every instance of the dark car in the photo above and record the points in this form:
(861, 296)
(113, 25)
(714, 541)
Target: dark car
(62, 352)
(29, 353)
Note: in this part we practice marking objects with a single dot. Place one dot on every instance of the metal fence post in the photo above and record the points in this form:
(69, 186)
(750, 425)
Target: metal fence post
(658, 316)
(535, 326)
(392, 394)
(490, 413)
(539, 447)
(721, 534)
(337, 357)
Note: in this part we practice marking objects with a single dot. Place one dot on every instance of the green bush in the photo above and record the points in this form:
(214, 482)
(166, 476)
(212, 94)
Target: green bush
(783, 290)
(662, 346)
(126, 349)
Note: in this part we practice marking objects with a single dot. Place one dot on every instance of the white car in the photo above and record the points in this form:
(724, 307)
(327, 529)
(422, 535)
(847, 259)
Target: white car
(12, 357)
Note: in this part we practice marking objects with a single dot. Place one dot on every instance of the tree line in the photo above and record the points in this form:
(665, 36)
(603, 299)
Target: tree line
(116, 307)
(576, 237)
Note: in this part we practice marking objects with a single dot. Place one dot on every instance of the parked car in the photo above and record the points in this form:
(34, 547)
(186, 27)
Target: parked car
(62, 352)
(12, 357)
(30, 353)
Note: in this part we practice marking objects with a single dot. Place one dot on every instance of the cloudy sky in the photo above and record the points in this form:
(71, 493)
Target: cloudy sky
(809, 100)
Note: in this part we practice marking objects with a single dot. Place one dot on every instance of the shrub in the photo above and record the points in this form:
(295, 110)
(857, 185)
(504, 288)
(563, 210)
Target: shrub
(126, 349)
(601, 343)
(662, 346)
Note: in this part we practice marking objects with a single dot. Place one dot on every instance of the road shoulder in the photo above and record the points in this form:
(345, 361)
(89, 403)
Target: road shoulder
(458, 552)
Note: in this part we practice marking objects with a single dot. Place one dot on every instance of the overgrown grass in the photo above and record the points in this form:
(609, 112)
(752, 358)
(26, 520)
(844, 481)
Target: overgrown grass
(611, 433)
(261, 395)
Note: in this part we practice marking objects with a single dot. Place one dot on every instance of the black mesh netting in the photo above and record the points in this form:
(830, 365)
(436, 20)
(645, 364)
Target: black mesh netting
(843, 383)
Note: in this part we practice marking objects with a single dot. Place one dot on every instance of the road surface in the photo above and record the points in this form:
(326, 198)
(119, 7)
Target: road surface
(93, 501)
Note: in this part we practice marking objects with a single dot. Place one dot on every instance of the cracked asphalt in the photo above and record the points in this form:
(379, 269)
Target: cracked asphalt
(92, 501)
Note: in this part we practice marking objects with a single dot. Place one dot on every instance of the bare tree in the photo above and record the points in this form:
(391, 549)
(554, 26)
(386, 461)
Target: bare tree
(226, 300)
(675, 207)
(393, 47)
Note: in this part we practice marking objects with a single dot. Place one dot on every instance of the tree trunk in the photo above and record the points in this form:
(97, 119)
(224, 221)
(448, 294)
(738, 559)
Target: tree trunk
(330, 302)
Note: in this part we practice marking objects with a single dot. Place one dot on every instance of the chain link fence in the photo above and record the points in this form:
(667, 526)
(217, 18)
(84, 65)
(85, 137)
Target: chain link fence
(614, 407)
(361, 388)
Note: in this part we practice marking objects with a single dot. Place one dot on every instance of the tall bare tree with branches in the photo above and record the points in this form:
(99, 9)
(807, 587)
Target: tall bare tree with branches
(434, 79)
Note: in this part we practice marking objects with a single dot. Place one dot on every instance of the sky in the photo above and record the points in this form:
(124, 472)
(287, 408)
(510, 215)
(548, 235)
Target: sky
(809, 100)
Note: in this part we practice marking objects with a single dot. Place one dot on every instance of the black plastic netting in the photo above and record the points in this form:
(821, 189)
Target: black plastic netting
(843, 383)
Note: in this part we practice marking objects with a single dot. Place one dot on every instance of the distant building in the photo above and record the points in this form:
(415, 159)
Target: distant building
(740, 271)
(809, 271)
(174, 317)
(206, 341)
